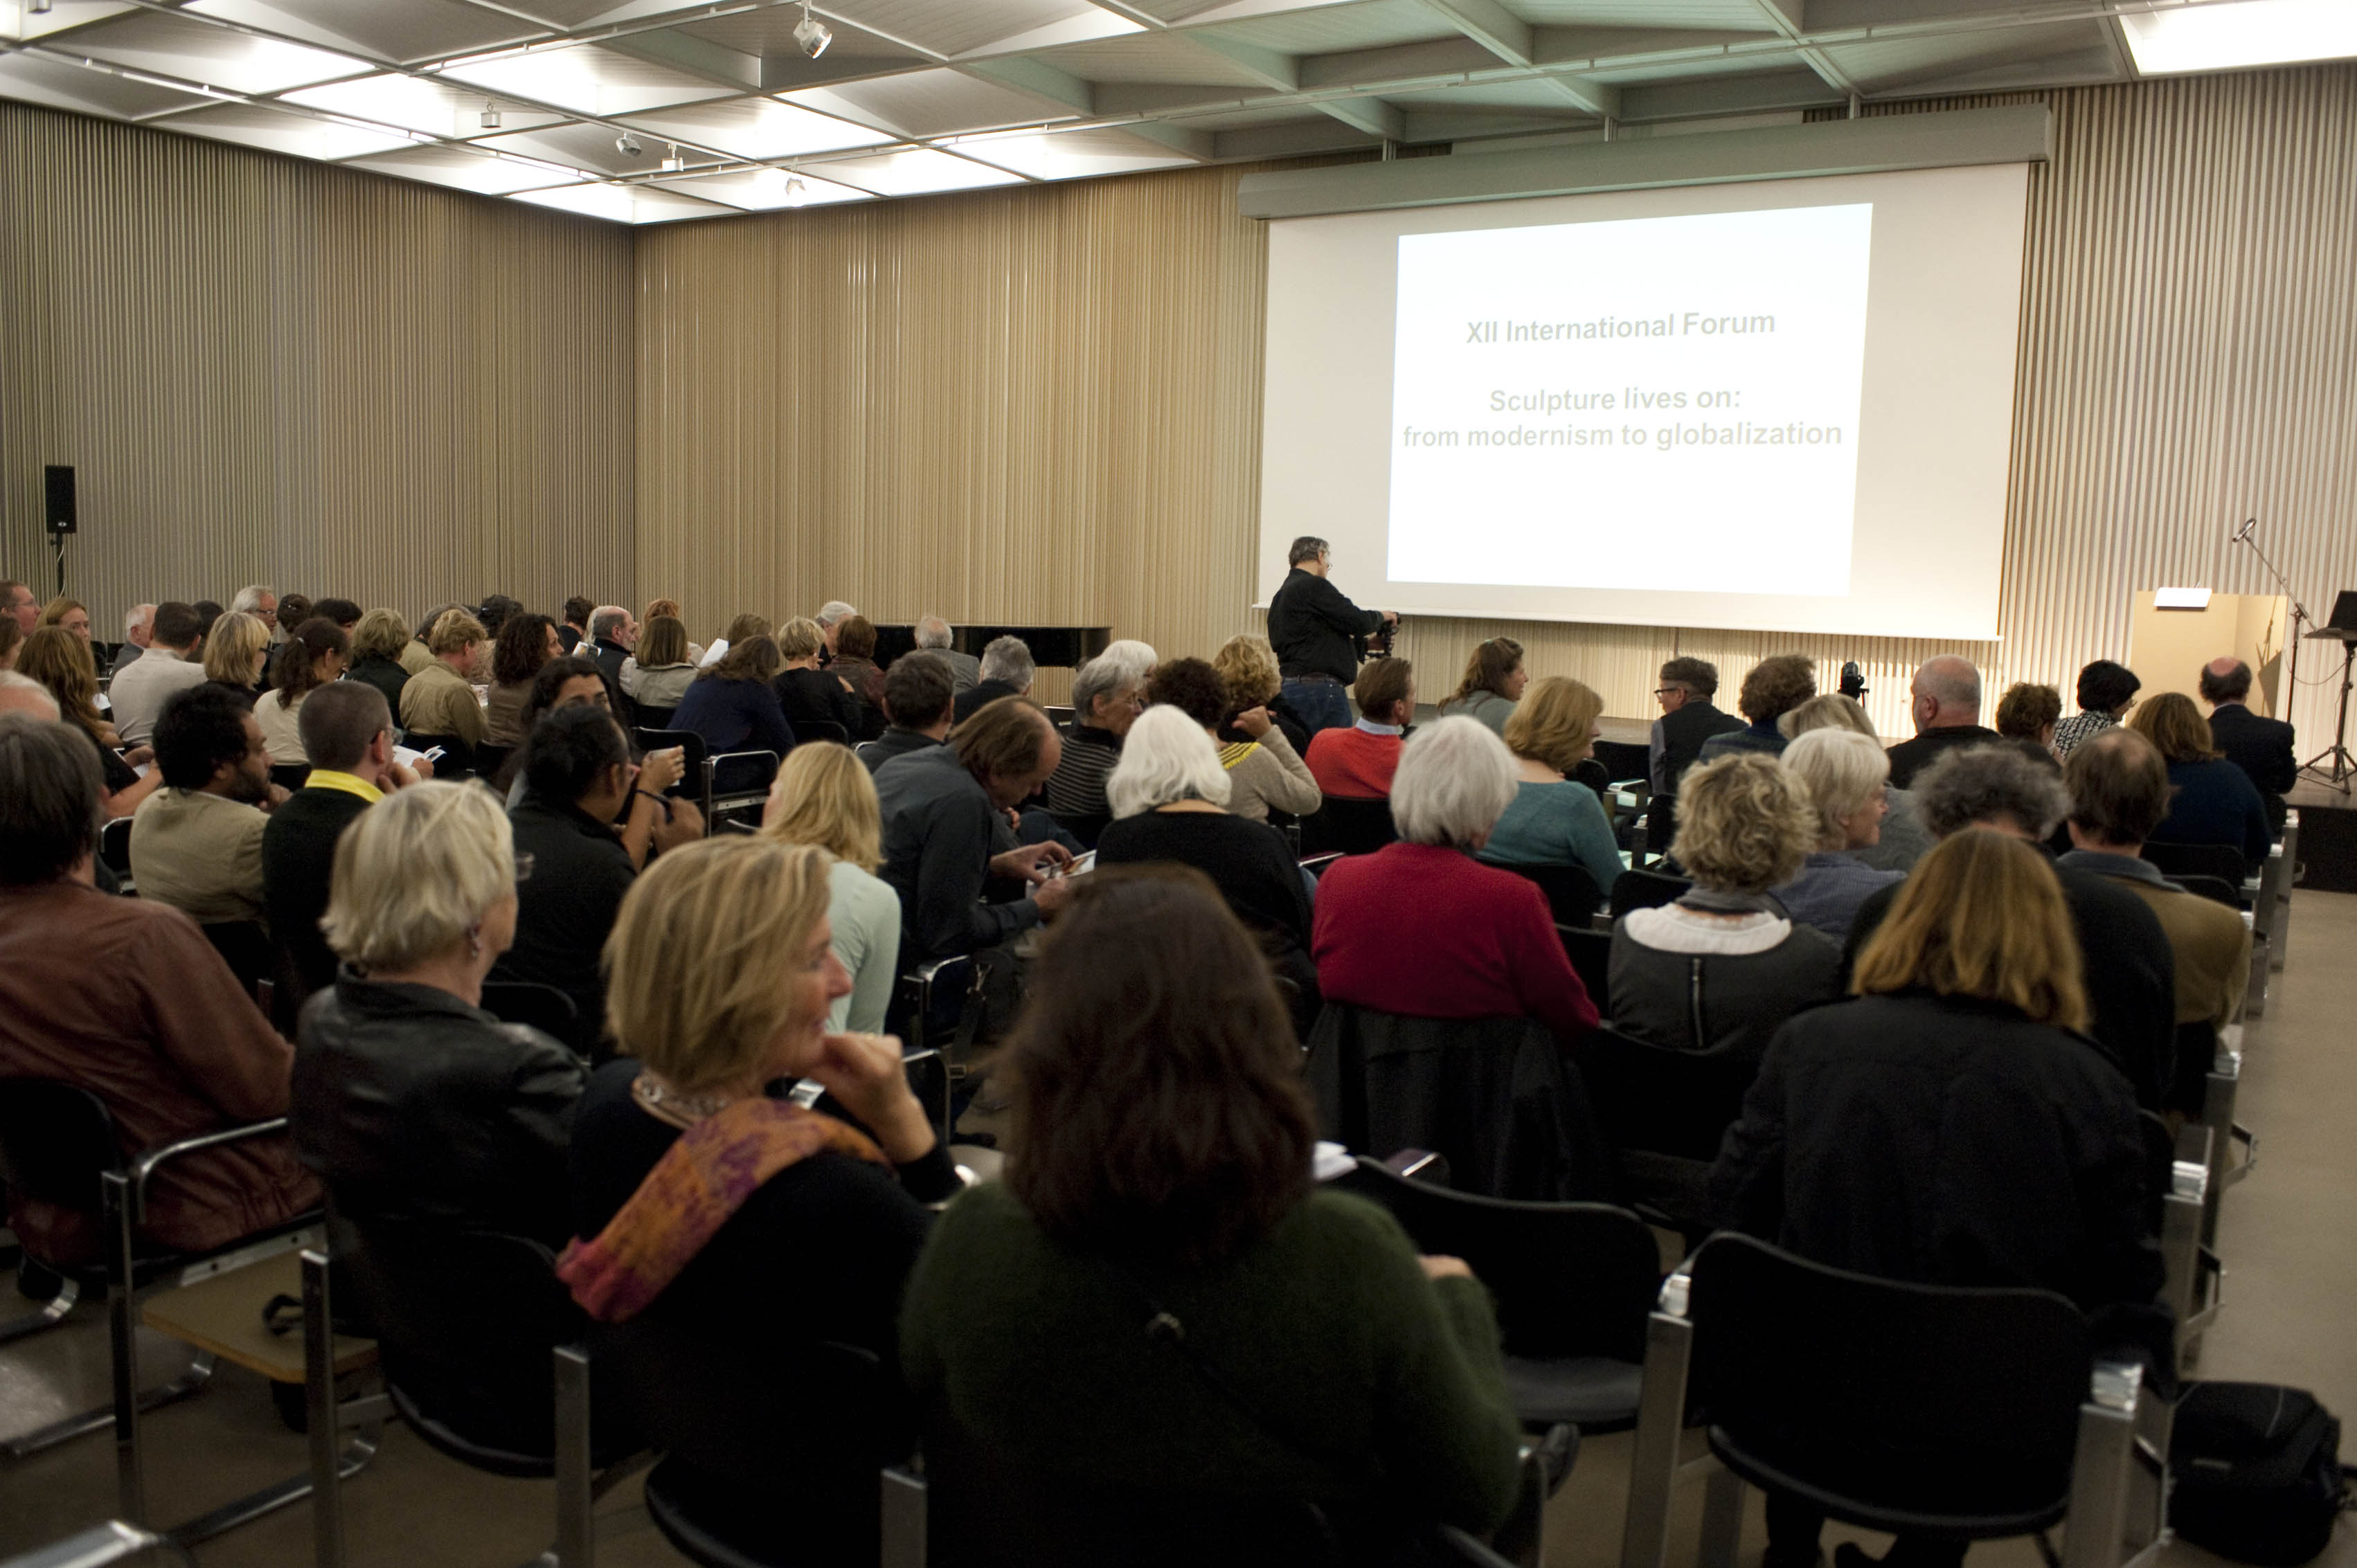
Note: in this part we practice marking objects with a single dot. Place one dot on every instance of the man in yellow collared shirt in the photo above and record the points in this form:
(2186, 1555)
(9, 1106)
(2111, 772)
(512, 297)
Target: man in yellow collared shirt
(347, 731)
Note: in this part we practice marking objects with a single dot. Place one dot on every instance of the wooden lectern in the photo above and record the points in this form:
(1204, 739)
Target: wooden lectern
(2168, 645)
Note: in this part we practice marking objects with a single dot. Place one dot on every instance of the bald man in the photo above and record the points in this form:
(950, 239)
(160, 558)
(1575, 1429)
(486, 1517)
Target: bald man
(2260, 746)
(1945, 697)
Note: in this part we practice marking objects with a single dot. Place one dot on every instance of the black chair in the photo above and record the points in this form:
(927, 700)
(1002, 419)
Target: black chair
(1590, 952)
(246, 948)
(491, 761)
(115, 848)
(1572, 1284)
(2179, 861)
(544, 1007)
(1085, 826)
(1061, 718)
(694, 784)
(819, 1419)
(737, 782)
(457, 762)
(821, 729)
(1351, 827)
(59, 1146)
(1624, 759)
(289, 775)
(1965, 1414)
(1494, 1097)
(2217, 889)
(1663, 1111)
(1571, 892)
(1646, 890)
(651, 717)
(478, 1342)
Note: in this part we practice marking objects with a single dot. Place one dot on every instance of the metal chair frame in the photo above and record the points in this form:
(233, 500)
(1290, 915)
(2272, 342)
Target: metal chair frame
(2119, 1477)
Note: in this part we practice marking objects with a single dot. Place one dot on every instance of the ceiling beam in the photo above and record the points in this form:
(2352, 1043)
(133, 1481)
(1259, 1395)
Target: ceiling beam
(1515, 42)
(1271, 68)
(1783, 17)
(1036, 78)
(715, 63)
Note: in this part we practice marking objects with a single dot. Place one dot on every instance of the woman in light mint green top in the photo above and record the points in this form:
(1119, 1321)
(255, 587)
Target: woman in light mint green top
(824, 795)
(1554, 822)
(1494, 679)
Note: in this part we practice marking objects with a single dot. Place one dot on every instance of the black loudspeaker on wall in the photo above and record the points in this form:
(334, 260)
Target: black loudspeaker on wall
(61, 479)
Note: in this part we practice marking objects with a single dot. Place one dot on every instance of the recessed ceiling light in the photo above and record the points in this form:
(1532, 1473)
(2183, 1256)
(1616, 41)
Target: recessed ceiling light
(2222, 35)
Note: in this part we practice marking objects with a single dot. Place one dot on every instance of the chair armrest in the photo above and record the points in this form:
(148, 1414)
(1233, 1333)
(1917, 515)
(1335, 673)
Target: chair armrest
(148, 1161)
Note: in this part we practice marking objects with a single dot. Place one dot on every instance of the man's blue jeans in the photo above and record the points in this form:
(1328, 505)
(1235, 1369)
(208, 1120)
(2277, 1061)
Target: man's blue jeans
(1324, 704)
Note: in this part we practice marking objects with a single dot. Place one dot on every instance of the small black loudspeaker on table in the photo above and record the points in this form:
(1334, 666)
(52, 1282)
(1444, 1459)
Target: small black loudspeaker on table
(61, 509)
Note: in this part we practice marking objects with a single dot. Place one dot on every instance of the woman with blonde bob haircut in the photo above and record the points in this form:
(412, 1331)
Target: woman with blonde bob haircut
(824, 795)
(1847, 778)
(411, 1103)
(235, 650)
(1554, 820)
(377, 643)
(1721, 967)
(721, 1224)
(1950, 1126)
(1903, 839)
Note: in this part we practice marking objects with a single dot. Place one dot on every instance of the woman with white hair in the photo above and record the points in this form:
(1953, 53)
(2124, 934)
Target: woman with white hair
(1170, 797)
(1420, 927)
(1848, 777)
(414, 1104)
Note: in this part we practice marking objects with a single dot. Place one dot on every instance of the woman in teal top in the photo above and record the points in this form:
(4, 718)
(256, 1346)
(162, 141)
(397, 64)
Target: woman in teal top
(1154, 1329)
(1551, 821)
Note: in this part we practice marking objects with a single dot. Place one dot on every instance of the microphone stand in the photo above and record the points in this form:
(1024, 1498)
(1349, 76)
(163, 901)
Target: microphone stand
(2299, 615)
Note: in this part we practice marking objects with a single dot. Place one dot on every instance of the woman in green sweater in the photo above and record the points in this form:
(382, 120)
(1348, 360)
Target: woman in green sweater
(1153, 1341)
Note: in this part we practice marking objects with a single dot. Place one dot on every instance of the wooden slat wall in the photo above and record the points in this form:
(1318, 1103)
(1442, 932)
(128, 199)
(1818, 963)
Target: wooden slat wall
(267, 370)
(1043, 404)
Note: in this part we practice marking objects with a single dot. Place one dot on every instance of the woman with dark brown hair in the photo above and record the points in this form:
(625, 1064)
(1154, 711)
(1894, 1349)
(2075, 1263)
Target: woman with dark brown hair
(732, 706)
(854, 663)
(1493, 682)
(1952, 1125)
(524, 643)
(1156, 1309)
(316, 653)
(2210, 799)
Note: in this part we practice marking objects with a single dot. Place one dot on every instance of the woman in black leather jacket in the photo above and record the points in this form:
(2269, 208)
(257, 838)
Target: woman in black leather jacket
(412, 1103)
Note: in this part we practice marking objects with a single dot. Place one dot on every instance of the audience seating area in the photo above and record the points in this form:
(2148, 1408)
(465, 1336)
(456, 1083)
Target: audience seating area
(1593, 1179)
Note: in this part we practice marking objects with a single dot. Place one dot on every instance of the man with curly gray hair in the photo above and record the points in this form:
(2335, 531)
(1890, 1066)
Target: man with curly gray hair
(2131, 974)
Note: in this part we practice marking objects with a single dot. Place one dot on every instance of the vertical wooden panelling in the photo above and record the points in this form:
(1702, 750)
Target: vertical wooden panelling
(267, 370)
(1043, 404)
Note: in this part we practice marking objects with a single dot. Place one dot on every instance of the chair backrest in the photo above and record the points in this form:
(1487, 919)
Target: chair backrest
(1571, 892)
(1646, 890)
(2223, 861)
(544, 1007)
(2217, 889)
(491, 760)
(115, 845)
(743, 772)
(246, 948)
(1570, 1279)
(1590, 952)
(821, 729)
(465, 1320)
(1494, 1097)
(1061, 718)
(1872, 1389)
(56, 1139)
(692, 749)
(289, 775)
(1624, 759)
(1659, 1100)
(1353, 827)
(651, 717)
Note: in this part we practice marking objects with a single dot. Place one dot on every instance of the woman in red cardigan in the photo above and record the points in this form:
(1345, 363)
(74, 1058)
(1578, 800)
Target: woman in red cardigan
(1421, 928)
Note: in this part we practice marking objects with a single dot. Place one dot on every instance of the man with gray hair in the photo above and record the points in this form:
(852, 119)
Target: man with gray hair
(125, 998)
(1945, 700)
(260, 601)
(2129, 970)
(1006, 672)
(1105, 702)
(138, 628)
(612, 635)
(934, 636)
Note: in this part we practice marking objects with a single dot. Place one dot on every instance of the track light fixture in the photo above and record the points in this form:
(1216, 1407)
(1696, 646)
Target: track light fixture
(673, 162)
(811, 34)
(490, 116)
(797, 193)
(42, 8)
(627, 144)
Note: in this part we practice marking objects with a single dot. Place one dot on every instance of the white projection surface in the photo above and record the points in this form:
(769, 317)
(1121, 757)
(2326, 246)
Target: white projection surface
(1783, 406)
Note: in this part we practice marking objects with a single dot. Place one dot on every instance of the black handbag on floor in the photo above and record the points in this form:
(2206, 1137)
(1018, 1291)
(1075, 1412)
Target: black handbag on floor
(2257, 1471)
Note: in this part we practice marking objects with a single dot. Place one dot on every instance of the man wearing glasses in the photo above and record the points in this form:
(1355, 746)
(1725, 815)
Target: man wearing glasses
(1688, 719)
(1318, 636)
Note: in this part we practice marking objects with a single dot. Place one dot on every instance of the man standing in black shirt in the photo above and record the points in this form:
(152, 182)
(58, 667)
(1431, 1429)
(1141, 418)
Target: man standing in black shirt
(1320, 636)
